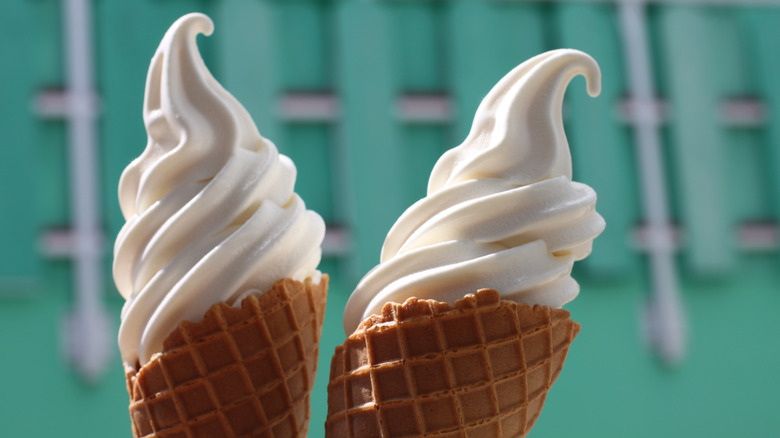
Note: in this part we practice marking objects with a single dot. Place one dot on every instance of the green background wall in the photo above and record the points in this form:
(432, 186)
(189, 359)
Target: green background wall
(361, 164)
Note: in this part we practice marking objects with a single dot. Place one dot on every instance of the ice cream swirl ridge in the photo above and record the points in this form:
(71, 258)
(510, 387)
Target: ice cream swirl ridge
(501, 210)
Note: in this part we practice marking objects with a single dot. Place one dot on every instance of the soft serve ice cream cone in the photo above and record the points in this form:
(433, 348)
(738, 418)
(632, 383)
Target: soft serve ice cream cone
(217, 261)
(459, 330)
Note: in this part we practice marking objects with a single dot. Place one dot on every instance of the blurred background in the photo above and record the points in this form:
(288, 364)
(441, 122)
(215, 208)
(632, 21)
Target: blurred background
(678, 300)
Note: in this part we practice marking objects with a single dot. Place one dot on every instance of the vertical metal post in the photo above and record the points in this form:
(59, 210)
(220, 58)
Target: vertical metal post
(87, 328)
(664, 312)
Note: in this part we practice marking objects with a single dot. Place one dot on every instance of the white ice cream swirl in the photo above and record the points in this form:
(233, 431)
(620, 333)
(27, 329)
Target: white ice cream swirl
(210, 208)
(501, 210)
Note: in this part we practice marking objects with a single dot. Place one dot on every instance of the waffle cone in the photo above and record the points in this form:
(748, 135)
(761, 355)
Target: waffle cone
(480, 368)
(239, 372)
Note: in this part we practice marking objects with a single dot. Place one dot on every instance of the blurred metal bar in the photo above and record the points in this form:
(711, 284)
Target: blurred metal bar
(424, 108)
(337, 241)
(325, 107)
(750, 237)
(309, 107)
(664, 313)
(628, 111)
(87, 327)
(745, 112)
(759, 237)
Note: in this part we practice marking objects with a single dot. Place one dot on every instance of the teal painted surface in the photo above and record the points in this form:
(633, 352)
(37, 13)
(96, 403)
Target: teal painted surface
(421, 146)
(762, 32)
(417, 32)
(698, 143)
(420, 60)
(368, 85)
(305, 45)
(42, 395)
(361, 171)
(19, 266)
(308, 146)
(612, 387)
(51, 197)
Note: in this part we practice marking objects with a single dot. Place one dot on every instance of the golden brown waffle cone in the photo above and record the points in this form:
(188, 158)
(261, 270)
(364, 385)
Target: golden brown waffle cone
(240, 372)
(480, 368)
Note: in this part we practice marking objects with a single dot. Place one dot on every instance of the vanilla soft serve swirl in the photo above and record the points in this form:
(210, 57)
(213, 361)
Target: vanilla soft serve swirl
(501, 211)
(210, 208)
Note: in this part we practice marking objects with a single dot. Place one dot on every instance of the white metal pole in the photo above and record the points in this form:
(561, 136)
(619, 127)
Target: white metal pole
(88, 329)
(664, 317)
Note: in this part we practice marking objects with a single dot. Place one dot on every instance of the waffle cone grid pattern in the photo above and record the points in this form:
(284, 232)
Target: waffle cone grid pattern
(240, 372)
(479, 369)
